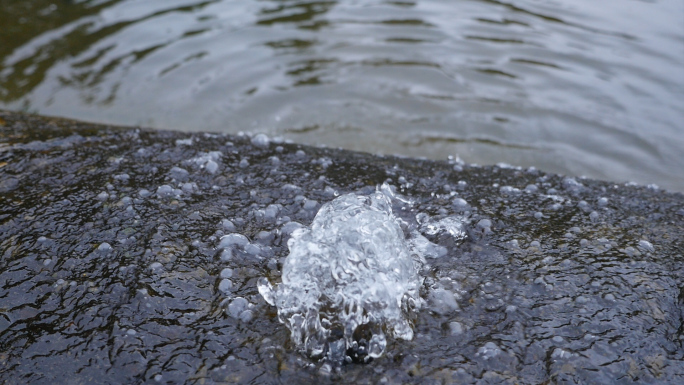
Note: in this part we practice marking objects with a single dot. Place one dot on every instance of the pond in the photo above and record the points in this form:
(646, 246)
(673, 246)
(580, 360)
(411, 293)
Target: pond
(573, 87)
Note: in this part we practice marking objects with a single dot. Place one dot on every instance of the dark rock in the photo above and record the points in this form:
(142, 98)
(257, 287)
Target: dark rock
(110, 272)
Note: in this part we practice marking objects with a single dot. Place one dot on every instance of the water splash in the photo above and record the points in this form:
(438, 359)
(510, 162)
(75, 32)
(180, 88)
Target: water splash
(350, 278)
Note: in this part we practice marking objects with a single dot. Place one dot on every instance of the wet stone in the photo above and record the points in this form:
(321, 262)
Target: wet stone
(139, 256)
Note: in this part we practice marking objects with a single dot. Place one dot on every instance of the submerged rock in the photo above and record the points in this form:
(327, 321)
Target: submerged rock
(134, 256)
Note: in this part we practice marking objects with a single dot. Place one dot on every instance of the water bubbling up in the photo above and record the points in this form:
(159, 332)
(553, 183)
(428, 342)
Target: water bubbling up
(349, 279)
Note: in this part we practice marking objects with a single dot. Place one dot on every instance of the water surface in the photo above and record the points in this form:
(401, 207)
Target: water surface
(574, 87)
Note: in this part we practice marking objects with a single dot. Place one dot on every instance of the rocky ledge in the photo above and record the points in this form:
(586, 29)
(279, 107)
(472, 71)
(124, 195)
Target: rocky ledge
(113, 267)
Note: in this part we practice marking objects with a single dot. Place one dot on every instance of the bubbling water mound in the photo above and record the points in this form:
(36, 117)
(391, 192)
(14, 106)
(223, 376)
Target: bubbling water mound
(349, 279)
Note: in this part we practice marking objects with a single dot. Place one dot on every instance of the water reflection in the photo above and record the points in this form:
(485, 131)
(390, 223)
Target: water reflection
(302, 14)
(584, 89)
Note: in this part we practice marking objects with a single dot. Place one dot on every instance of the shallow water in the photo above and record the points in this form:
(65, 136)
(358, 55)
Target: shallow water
(573, 87)
(133, 256)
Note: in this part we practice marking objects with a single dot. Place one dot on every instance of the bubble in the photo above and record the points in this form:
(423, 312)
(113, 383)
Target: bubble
(166, 191)
(460, 202)
(645, 246)
(455, 328)
(211, 166)
(261, 140)
(531, 188)
(246, 316)
(443, 301)
(227, 225)
(288, 228)
(310, 204)
(189, 187)
(560, 353)
(233, 239)
(226, 273)
(489, 350)
(252, 249)
(207, 160)
(237, 306)
(509, 190)
(572, 184)
(272, 211)
(122, 177)
(454, 226)
(225, 285)
(484, 224)
(594, 216)
(178, 173)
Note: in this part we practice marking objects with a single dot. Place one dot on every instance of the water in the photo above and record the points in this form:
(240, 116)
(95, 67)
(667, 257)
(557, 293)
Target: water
(103, 280)
(574, 87)
(353, 276)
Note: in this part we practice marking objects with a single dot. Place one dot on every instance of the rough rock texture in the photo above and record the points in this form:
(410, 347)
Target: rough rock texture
(111, 270)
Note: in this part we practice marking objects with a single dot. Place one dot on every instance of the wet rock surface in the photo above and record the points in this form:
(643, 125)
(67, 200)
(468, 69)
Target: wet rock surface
(132, 256)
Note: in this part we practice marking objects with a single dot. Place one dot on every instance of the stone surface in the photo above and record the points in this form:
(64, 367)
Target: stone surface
(111, 270)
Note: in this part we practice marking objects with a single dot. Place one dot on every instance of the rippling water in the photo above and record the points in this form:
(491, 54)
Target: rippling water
(577, 87)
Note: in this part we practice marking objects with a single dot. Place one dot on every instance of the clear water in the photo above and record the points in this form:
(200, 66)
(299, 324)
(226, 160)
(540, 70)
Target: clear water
(571, 86)
(350, 278)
